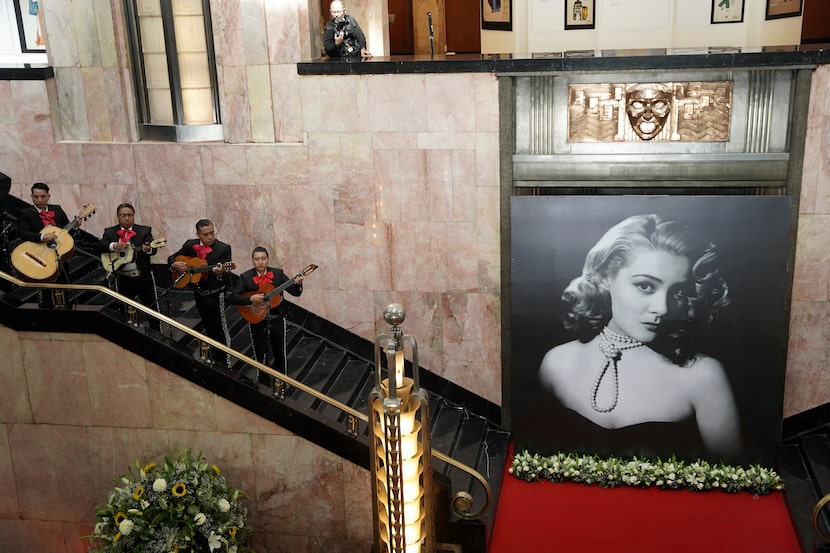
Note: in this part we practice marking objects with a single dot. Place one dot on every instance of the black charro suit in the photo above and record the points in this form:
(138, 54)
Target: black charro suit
(272, 328)
(134, 279)
(29, 223)
(209, 290)
(29, 227)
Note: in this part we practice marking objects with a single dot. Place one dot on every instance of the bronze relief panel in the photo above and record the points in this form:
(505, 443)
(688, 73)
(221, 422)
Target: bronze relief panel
(691, 111)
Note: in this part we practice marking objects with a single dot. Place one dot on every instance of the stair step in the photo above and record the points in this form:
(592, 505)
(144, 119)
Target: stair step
(346, 385)
(445, 422)
(799, 490)
(320, 374)
(300, 356)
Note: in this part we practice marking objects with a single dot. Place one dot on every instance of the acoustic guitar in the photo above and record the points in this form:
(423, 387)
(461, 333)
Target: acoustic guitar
(196, 267)
(40, 261)
(113, 261)
(273, 297)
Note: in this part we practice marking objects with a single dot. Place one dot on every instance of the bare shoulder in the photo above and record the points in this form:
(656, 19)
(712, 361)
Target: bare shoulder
(558, 361)
(707, 373)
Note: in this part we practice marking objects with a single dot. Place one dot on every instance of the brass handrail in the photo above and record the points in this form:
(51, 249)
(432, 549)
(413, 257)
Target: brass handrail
(461, 503)
(816, 511)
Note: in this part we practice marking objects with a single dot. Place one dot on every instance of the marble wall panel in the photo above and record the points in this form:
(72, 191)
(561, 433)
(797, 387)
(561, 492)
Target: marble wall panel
(285, 46)
(487, 159)
(468, 349)
(314, 109)
(226, 18)
(86, 34)
(14, 394)
(95, 88)
(395, 103)
(32, 535)
(812, 258)
(438, 192)
(74, 118)
(486, 90)
(807, 379)
(56, 380)
(285, 88)
(62, 46)
(117, 384)
(236, 117)
(106, 14)
(259, 101)
(462, 189)
(295, 502)
(350, 256)
(228, 165)
(110, 164)
(254, 32)
(376, 240)
(447, 110)
(173, 402)
(9, 505)
(52, 471)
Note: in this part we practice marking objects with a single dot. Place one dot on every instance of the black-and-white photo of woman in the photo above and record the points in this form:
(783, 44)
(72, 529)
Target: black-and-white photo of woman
(648, 289)
(649, 326)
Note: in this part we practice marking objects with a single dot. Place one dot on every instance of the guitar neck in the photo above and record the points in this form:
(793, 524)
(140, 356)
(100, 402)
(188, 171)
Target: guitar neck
(281, 288)
(203, 269)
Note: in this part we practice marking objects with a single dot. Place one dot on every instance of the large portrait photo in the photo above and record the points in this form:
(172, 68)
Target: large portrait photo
(649, 326)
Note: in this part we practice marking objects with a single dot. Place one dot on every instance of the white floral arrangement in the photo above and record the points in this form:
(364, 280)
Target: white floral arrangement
(183, 505)
(670, 474)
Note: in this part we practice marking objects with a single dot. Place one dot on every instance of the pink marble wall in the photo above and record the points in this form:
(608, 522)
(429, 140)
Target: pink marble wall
(807, 379)
(61, 453)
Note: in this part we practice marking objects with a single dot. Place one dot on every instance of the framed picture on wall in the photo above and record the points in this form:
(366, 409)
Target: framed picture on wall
(496, 15)
(580, 14)
(727, 11)
(29, 25)
(776, 9)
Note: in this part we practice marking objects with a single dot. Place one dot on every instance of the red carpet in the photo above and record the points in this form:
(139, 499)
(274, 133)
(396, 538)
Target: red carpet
(543, 517)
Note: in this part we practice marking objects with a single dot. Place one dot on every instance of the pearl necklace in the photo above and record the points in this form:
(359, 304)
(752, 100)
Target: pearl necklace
(611, 345)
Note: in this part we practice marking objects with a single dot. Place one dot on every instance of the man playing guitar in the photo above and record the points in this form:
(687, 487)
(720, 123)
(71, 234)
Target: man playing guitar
(208, 292)
(32, 220)
(249, 290)
(133, 279)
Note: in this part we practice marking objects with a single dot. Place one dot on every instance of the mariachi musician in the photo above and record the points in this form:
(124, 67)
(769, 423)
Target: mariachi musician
(135, 278)
(32, 220)
(209, 289)
(250, 290)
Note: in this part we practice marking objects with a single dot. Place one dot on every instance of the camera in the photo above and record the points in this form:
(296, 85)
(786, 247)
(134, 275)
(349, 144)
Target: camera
(341, 24)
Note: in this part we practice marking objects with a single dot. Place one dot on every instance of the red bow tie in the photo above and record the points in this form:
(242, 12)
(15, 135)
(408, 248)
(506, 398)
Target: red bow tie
(202, 251)
(267, 278)
(125, 234)
(48, 217)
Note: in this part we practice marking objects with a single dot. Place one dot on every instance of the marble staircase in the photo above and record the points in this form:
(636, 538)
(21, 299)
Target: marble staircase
(321, 355)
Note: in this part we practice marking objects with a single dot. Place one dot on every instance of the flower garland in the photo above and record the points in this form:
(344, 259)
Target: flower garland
(670, 474)
(184, 505)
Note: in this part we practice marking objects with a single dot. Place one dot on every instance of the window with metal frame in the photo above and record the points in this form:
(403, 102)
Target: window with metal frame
(171, 44)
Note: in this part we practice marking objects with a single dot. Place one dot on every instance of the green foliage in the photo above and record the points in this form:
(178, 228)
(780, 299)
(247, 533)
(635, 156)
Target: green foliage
(183, 505)
(670, 474)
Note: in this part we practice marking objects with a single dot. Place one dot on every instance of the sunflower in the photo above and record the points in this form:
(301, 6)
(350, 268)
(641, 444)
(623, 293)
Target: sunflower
(119, 517)
(232, 531)
(179, 489)
(216, 470)
(138, 493)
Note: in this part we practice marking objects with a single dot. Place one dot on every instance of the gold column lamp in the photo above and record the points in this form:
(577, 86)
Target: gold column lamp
(400, 450)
